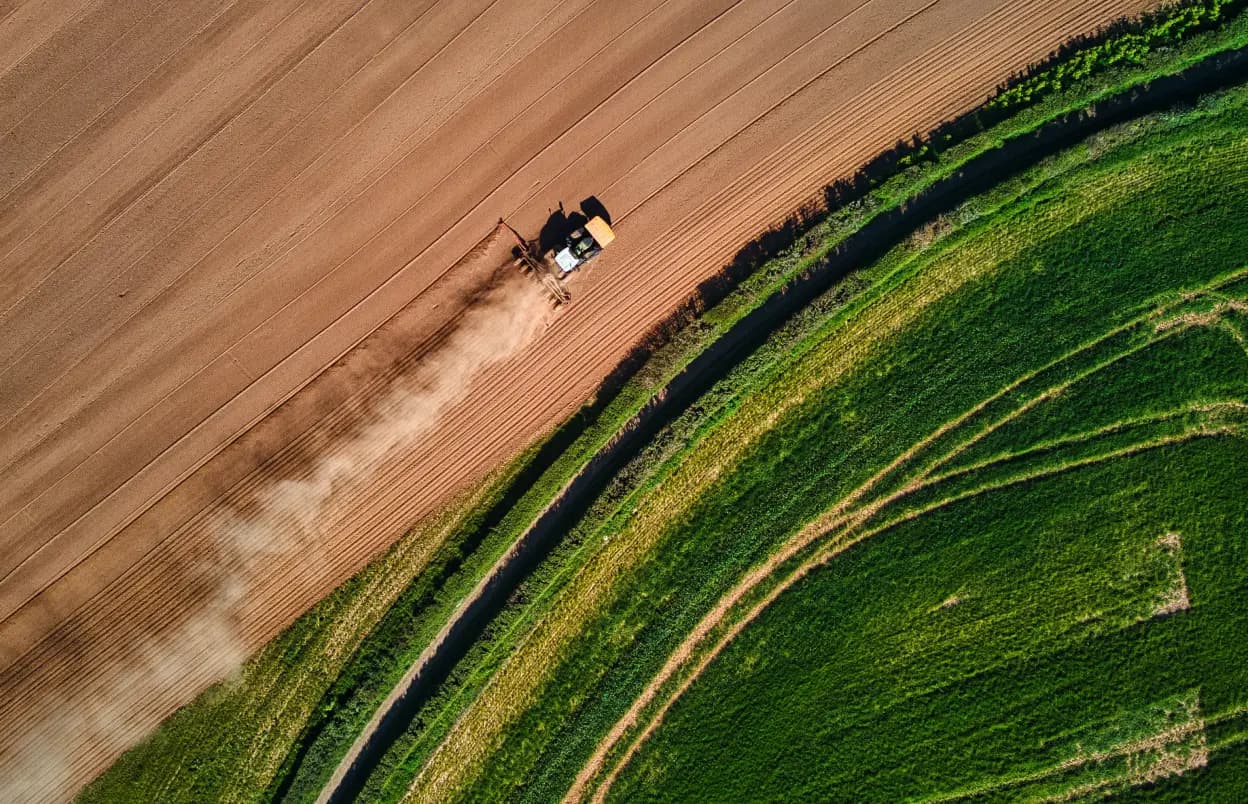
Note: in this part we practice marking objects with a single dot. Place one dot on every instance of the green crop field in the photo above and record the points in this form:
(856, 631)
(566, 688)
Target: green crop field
(971, 524)
(1027, 579)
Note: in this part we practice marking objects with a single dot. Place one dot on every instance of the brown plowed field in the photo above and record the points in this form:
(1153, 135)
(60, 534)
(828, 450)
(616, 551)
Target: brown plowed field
(205, 205)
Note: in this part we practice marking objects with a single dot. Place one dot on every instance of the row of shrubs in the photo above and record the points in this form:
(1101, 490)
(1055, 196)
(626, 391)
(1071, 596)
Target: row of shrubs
(1123, 44)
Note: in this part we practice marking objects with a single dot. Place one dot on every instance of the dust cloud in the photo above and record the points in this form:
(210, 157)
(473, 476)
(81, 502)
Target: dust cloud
(104, 714)
(282, 521)
(288, 517)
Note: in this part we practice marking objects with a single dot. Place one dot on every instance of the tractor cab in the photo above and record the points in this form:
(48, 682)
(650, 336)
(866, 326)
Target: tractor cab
(550, 266)
(583, 244)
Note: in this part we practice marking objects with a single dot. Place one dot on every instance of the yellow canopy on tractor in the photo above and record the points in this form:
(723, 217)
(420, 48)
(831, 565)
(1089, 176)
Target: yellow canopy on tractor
(600, 230)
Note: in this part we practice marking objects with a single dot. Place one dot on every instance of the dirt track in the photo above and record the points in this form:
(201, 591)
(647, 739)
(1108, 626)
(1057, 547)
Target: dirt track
(204, 206)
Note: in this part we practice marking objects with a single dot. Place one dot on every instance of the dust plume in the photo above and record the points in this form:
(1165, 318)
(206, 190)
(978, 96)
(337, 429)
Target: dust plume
(288, 516)
(103, 716)
(118, 702)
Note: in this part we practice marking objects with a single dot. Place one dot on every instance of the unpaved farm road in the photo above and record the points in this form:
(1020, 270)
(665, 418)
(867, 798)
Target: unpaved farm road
(205, 205)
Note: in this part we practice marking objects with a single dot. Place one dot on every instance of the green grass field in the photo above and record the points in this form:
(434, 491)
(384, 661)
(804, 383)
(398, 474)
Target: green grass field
(996, 563)
(1043, 599)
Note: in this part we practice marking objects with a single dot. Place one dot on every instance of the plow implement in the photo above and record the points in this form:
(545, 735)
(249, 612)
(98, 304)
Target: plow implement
(550, 267)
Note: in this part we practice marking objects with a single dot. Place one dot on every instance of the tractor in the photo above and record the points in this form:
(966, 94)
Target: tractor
(580, 246)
